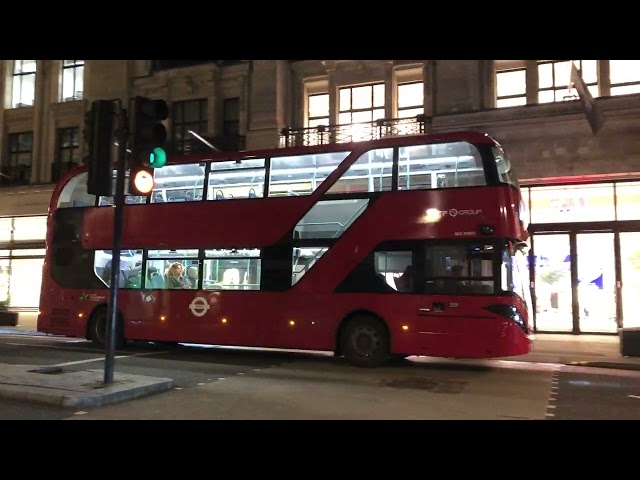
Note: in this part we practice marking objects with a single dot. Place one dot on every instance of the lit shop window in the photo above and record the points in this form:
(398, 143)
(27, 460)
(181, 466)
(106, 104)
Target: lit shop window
(624, 76)
(410, 99)
(511, 88)
(554, 80)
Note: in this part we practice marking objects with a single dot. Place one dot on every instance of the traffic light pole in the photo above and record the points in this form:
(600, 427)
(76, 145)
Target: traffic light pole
(118, 200)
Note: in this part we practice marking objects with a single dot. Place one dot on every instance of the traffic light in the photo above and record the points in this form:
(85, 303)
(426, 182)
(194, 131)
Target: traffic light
(99, 123)
(146, 142)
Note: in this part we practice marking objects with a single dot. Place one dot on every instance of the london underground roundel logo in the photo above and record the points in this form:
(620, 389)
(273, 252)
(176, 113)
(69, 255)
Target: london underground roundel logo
(199, 306)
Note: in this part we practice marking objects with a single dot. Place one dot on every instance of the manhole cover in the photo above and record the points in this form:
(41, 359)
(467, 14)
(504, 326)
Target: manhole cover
(440, 386)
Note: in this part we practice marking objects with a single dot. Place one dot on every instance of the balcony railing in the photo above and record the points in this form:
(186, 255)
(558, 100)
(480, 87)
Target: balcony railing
(355, 132)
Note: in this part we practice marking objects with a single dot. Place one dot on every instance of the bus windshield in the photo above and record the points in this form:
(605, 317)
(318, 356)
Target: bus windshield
(503, 164)
(515, 272)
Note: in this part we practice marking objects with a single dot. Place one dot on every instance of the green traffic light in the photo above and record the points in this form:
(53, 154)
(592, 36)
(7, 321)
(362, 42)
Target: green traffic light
(157, 158)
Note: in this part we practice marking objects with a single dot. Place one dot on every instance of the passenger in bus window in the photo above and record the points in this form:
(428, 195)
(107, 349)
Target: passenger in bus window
(404, 283)
(192, 276)
(174, 276)
(231, 279)
(457, 272)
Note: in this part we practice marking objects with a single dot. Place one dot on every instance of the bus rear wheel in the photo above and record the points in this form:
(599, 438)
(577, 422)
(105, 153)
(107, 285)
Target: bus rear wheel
(97, 332)
(365, 342)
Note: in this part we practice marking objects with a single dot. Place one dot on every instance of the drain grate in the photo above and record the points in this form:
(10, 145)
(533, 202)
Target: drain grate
(446, 386)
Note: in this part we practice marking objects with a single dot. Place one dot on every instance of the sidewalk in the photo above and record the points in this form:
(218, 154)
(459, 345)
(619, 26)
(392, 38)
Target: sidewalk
(80, 388)
(86, 388)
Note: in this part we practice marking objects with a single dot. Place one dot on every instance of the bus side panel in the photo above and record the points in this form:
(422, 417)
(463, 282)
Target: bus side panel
(197, 316)
(461, 326)
(65, 312)
(214, 224)
(403, 215)
(231, 317)
(463, 329)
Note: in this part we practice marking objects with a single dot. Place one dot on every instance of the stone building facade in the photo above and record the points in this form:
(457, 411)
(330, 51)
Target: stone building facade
(566, 170)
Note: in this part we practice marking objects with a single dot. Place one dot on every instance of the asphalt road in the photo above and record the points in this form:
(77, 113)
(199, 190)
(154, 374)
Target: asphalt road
(227, 383)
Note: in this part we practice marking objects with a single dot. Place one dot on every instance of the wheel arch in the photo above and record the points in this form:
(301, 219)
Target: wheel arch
(347, 318)
(99, 308)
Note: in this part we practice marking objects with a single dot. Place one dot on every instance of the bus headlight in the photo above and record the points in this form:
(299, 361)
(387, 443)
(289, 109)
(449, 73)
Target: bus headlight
(510, 312)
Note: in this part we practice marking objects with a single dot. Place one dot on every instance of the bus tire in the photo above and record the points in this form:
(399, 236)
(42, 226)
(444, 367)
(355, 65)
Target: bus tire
(98, 328)
(365, 341)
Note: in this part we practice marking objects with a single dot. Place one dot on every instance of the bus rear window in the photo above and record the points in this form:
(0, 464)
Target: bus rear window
(74, 193)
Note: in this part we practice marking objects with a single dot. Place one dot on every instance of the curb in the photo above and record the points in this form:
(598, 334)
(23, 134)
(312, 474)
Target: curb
(81, 389)
(604, 364)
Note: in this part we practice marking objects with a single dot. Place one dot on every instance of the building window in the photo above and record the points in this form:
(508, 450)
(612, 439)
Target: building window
(231, 117)
(361, 104)
(318, 105)
(189, 116)
(231, 125)
(511, 88)
(67, 152)
(410, 99)
(358, 105)
(24, 83)
(554, 78)
(317, 115)
(16, 169)
(624, 76)
(72, 80)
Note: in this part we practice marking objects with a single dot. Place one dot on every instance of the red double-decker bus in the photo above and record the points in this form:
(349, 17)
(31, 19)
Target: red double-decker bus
(409, 245)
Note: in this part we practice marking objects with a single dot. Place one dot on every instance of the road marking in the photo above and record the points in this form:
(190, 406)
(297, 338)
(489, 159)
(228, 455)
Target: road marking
(38, 336)
(553, 393)
(633, 396)
(101, 359)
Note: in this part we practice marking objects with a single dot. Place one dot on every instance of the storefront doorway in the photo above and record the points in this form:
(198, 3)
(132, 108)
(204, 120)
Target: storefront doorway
(575, 283)
(585, 256)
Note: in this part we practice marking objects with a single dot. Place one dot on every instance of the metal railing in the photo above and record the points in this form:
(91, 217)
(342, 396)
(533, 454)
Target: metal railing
(354, 132)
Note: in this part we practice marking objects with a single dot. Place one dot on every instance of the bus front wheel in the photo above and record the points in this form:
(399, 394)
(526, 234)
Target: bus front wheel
(97, 332)
(365, 342)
